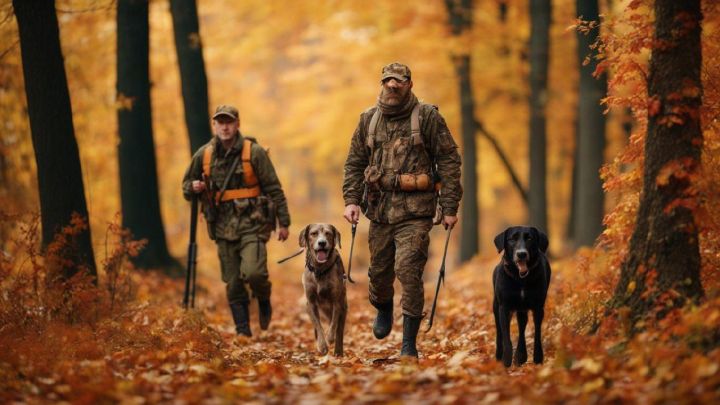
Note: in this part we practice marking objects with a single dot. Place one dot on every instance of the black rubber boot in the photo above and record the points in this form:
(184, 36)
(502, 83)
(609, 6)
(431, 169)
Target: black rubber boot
(384, 320)
(410, 331)
(265, 313)
(241, 316)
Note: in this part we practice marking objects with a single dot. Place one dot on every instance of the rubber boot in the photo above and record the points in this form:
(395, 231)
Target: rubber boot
(410, 331)
(384, 320)
(265, 313)
(241, 316)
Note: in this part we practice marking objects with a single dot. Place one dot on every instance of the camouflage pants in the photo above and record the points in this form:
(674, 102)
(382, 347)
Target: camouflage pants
(244, 261)
(399, 250)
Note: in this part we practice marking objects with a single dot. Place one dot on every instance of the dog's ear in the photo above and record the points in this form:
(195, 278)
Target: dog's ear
(500, 240)
(542, 239)
(336, 236)
(302, 239)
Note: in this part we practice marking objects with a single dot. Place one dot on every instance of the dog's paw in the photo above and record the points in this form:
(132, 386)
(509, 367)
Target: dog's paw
(520, 357)
(338, 352)
(507, 357)
(538, 356)
(322, 347)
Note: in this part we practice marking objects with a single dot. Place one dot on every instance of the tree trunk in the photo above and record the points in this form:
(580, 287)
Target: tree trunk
(136, 151)
(460, 18)
(192, 71)
(662, 268)
(470, 235)
(540, 12)
(59, 174)
(590, 137)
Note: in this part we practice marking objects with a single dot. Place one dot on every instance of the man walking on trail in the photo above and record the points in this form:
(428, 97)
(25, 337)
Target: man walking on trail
(242, 201)
(400, 150)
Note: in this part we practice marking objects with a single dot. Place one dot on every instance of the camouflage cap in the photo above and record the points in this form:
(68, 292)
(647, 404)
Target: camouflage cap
(396, 70)
(228, 110)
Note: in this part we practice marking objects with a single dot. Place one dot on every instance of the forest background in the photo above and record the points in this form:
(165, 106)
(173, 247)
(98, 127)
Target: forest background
(300, 74)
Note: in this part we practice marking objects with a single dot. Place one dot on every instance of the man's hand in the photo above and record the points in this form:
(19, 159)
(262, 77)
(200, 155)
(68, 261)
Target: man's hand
(352, 213)
(198, 186)
(283, 233)
(449, 221)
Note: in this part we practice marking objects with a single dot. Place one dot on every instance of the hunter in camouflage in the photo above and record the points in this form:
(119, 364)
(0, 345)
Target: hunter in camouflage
(402, 170)
(241, 222)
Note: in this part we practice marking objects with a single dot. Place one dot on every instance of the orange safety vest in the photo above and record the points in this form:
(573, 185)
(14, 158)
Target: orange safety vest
(252, 186)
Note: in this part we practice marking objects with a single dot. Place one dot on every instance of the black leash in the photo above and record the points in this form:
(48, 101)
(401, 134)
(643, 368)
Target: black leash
(352, 244)
(441, 278)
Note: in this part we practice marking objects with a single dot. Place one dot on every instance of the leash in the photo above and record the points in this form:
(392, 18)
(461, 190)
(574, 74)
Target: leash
(352, 244)
(291, 256)
(441, 278)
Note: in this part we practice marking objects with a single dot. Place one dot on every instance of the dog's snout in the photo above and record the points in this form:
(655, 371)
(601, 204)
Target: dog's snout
(522, 254)
(322, 243)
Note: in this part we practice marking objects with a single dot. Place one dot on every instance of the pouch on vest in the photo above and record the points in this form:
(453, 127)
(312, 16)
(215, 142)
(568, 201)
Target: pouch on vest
(267, 210)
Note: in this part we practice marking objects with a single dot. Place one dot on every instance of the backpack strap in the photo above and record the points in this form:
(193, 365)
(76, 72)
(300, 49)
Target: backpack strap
(207, 157)
(249, 177)
(415, 126)
(372, 128)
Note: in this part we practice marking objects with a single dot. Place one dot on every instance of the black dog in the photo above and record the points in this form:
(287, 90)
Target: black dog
(520, 284)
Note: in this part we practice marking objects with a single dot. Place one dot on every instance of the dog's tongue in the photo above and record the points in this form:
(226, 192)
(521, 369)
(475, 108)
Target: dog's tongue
(522, 266)
(322, 255)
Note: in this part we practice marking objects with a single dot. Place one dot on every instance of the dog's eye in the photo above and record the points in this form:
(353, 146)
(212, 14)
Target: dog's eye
(313, 233)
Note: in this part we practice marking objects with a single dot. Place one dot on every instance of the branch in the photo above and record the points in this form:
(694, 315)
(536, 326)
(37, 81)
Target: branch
(484, 132)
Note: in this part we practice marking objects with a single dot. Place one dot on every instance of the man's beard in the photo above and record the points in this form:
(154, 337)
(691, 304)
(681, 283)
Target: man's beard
(392, 98)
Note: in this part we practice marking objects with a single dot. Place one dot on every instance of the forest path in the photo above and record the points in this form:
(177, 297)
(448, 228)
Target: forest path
(456, 357)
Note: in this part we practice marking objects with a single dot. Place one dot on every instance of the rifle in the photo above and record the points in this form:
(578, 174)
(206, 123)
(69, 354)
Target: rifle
(441, 278)
(190, 275)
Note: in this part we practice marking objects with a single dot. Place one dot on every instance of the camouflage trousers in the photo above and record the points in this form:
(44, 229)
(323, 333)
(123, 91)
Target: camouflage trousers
(399, 250)
(244, 261)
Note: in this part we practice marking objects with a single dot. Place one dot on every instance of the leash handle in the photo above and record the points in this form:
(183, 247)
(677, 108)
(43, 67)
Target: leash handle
(352, 245)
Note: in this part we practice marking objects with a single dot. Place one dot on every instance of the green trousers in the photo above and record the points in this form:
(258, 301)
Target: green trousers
(244, 261)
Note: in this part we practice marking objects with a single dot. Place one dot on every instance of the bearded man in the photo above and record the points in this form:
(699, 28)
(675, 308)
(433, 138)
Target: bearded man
(402, 162)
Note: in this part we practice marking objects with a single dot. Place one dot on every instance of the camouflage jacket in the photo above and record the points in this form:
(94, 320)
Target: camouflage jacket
(245, 216)
(438, 154)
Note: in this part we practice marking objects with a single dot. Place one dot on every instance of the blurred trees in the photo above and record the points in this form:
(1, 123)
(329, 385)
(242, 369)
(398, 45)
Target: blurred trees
(136, 150)
(192, 71)
(60, 182)
(460, 16)
(588, 205)
(662, 266)
(539, 52)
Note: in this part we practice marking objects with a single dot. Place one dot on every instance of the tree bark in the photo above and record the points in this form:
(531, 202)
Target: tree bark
(590, 137)
(662, 269)
(192, 71)
(540, 13)
(460, 18)
(60, 184)
(136, 150)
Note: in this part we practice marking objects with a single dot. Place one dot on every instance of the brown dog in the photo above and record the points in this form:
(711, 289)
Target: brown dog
(324, 283)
